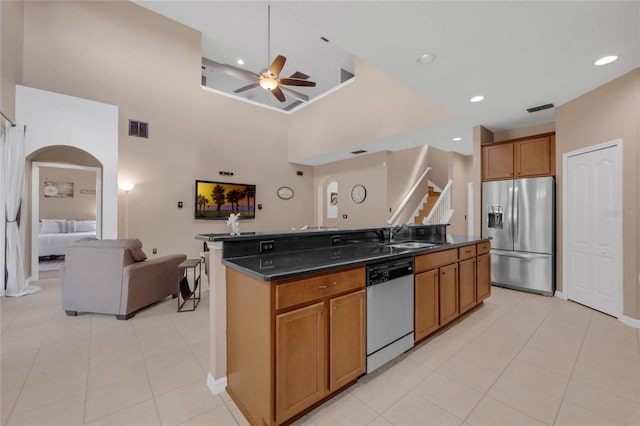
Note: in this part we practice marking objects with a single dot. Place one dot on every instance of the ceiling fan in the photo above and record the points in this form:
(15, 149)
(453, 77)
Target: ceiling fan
(269, 79)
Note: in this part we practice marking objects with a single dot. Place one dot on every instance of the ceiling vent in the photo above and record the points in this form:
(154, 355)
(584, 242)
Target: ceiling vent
(360, 151)
(540, 108)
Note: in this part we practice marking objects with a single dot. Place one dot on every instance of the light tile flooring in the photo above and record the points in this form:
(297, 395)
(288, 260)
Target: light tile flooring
(520, 359)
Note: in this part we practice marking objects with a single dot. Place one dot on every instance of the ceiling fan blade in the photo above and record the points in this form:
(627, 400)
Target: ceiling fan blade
(231, 70)
(277, 65)
(278, 94)
(245, 88)
(296, 82)
(297, 95)
(300, 75)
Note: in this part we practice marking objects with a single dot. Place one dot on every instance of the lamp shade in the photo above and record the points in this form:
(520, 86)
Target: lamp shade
(126, 186)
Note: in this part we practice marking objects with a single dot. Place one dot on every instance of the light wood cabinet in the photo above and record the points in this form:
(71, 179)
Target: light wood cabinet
(519, 158)
(347, 339)
(448, 291)
(483, 277)
(449, 283)
(427, 315)
(301, 348)
(293, 343)
(467, 283)
(497, 161)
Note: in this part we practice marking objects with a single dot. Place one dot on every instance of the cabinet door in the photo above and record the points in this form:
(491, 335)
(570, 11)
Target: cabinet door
(534, 157)
(347, 357)
(426, 304)
(448, 287)
(483, 277)
(497, 161)
(301, 364)
(467, 284)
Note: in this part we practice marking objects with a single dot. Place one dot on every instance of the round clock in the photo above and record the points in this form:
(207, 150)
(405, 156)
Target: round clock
(285, 192)
(358, 193)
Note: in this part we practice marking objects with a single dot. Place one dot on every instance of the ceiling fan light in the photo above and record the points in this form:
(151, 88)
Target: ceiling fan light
(268, 83)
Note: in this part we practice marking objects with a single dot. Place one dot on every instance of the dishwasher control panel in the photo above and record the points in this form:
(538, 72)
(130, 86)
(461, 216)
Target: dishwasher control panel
(383, 272)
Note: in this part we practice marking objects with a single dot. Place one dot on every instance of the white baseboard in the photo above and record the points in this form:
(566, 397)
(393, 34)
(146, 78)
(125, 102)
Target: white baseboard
(560, 295)
(216, 386)
(631, 322)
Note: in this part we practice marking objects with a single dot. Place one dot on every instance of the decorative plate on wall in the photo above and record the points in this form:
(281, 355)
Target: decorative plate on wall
(285, 192)
(358, 193)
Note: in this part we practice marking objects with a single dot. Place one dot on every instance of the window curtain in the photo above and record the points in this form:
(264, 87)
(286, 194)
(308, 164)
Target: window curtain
(12, 180)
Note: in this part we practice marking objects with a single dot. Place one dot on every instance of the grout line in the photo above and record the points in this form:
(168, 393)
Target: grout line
(86, 392)
(586, 330)
(146, 369)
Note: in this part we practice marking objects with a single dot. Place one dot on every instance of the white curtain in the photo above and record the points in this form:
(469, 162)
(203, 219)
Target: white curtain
(13, 188)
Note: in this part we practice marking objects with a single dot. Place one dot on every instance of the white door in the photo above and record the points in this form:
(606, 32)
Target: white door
(593, 224)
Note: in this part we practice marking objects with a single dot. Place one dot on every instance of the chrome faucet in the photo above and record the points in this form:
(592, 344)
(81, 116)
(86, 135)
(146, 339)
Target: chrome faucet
(395, 230)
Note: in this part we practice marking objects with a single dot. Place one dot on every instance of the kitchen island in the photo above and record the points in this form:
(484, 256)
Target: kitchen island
(297, 307)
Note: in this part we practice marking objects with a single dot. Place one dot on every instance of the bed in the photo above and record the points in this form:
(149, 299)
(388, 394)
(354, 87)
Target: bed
(56, 234)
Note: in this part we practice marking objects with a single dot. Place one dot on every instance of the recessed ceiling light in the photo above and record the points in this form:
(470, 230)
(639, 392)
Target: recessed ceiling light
(605, 60)
(457, 139)
(476, 98)
(426, 58)
(240, 62)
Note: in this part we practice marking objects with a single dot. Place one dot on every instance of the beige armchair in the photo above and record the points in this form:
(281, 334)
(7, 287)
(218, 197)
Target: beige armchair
(114, 277)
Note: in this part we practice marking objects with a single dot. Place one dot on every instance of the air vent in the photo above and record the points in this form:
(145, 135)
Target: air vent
(138, 129)
(345, 75)
(540, 108)
(360, 151)
(326, 40)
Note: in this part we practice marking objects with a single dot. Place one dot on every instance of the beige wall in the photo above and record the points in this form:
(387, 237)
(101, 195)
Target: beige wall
(480, 135)
(11, 47)
(459, 171)
(368, 170)
(81, 206)
(609, 112)
(80, 49)
(404, 167)
(343, 119)
(523, 132)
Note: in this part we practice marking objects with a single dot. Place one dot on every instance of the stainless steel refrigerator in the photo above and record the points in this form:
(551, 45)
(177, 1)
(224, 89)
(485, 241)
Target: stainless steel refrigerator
(519, 216)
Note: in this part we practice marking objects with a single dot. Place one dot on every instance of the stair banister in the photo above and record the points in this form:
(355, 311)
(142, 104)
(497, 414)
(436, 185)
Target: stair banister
(441, 206)
(406, 198)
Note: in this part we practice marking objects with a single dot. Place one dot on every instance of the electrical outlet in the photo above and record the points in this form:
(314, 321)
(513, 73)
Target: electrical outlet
(344, 216)
(154, 251)
(336, 239)
(266, 246)
(421, 232)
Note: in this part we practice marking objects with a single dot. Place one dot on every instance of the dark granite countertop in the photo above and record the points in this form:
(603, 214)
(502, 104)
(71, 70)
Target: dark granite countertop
(279, 266)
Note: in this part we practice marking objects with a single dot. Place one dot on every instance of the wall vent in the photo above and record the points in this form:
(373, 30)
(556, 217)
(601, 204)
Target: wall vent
(540, 108)
(359, 151)
(139, 129)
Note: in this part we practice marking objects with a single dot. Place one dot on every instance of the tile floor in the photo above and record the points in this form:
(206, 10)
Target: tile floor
(520, 359)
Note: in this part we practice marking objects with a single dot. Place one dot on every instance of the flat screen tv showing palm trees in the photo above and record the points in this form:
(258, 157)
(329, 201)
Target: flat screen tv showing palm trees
(217, 200)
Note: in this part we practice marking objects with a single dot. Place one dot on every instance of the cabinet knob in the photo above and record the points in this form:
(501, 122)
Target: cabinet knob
(322, 312)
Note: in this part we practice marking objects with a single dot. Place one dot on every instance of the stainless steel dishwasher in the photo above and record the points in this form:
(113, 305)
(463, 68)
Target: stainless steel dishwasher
(389, 311)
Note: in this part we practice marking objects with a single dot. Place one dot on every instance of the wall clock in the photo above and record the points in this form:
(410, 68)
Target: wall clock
(358, 193)
(285, 192)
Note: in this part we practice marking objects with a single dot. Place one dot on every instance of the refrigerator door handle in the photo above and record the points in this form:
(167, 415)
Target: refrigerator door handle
(516, 207)
(510, 212)
(528, 256)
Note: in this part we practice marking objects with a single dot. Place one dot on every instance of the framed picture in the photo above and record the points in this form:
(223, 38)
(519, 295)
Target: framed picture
(217, 200)
(58, 189)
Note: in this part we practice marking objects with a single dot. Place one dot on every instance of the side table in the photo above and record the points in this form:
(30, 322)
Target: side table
(185, 293)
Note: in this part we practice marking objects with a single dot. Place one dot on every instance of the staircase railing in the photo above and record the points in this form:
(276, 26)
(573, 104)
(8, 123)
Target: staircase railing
(407, 197)
(441, 208)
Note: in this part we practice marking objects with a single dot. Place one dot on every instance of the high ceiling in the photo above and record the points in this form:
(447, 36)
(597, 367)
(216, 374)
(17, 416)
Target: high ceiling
(517, 54)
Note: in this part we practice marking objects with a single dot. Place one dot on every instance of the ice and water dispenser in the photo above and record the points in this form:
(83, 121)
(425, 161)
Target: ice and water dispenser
(495, 217)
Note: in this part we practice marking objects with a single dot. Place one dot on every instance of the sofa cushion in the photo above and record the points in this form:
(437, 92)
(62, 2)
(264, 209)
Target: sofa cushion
(133, 246)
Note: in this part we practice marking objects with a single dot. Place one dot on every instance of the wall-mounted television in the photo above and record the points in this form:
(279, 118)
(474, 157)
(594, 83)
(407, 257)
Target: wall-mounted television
(217, 200)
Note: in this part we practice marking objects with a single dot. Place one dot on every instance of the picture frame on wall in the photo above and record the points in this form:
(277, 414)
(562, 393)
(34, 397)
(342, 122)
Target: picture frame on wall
(217, 200)
(58, 189)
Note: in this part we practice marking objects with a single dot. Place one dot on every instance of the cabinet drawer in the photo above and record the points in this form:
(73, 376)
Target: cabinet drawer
(433, 260)
(304, 290)
(466, 252)
(483, 248)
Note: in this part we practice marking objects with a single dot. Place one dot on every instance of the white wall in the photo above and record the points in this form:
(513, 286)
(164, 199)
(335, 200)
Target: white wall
(53, 119)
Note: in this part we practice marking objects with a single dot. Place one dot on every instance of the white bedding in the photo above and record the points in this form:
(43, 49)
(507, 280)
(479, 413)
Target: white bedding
(56, 244)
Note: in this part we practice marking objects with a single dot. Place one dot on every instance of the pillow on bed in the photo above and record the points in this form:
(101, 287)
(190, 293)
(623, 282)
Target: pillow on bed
(51, 226)
(85, 226)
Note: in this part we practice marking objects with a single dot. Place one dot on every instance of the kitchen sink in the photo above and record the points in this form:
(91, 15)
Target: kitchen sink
(411, 245)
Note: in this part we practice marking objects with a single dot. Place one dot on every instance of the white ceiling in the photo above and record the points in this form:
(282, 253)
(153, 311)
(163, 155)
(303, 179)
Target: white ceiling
(517, 54)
